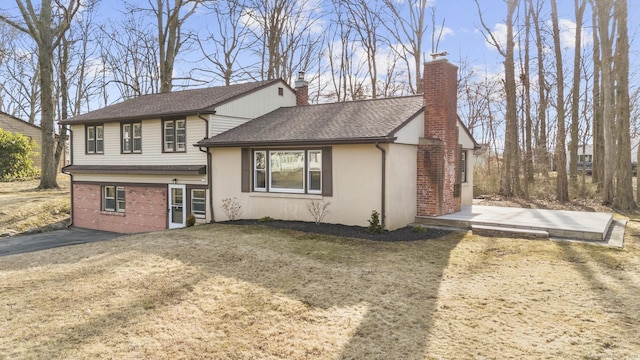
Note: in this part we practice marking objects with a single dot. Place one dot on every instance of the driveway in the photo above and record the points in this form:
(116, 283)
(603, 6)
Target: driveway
(35, 242)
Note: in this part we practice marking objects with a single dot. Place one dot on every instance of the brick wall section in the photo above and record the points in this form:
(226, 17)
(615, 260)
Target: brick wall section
(438, 158)
(302, 95)
(146, 209)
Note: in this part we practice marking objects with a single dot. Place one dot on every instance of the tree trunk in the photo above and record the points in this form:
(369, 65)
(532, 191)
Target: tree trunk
(608, 100)
(623, 199)
(542, 154)
(597, 150)
(562, 186)
(575, 92)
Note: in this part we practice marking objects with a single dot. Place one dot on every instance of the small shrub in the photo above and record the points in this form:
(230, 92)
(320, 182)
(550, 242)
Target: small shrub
(266, 219)
(232, 208)
(375, 227)
(318, 209)
(419, 229)
(191, 220)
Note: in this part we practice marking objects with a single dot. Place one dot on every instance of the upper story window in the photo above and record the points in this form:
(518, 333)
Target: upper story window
(131, 137)
(174, 135)
(94, 135)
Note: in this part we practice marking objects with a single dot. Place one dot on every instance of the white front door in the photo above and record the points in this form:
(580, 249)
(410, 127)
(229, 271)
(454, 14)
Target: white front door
(177, 201)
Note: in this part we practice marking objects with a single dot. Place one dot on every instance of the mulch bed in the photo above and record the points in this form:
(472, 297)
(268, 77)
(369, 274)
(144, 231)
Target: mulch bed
(403, 234)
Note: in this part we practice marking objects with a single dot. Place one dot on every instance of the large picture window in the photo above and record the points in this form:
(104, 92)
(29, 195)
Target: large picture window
(95, 139)
(174, 135)
(113, 198)
(288, 171)
(298, 171)
(131, 138)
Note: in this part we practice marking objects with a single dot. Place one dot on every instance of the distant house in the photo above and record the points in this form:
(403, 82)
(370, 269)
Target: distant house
(146, 163)
(585, 156)
(16, 125)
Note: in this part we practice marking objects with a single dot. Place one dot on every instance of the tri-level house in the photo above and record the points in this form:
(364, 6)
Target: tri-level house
(146, 163)
(134, 166)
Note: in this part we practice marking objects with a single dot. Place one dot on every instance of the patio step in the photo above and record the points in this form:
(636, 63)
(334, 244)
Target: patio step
(503, 231)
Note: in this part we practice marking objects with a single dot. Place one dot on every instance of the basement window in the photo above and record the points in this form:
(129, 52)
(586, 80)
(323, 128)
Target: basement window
(113, 198)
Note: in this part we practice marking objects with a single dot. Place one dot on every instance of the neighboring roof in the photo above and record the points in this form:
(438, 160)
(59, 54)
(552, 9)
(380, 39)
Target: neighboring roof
(8, 122)
(177, 103)
(365, 121)
(137, 169)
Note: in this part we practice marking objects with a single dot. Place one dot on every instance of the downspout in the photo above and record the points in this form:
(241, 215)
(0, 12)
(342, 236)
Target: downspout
(384, 184)
(209, 174)
(70, 177)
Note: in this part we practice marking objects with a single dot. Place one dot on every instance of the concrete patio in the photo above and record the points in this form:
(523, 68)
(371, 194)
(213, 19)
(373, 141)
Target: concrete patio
(592, 227)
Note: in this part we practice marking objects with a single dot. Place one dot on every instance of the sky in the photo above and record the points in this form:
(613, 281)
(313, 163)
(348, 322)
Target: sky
(462, 38)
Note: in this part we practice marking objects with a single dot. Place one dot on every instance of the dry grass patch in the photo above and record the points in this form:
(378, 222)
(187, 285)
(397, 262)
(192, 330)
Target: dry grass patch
(252, 292)
(24, 207)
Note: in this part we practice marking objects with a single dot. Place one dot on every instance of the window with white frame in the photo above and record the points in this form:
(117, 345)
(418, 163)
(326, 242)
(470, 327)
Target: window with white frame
(260, 171)
(174, 135)
(288, 171)
(94, 139)
(198, 203)
(113, 198)
(131, 137)
(463, 166)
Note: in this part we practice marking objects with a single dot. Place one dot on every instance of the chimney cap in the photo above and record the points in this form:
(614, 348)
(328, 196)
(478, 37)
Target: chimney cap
(300, 81)
(434, 56)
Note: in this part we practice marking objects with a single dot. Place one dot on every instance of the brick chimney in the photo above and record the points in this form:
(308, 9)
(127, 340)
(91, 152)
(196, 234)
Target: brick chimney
(302, 90)
(438, 183)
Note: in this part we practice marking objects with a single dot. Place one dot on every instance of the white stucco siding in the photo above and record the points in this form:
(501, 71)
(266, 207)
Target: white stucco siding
(248, 107)
(467, 187)
(401, 185)
(411, 132)
(463, 137)
(151, 146)
(356, 182)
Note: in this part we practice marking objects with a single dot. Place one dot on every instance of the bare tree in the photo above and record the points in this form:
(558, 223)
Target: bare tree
(130, 61)
(562, 185)
(229, 38)
(47, 33)
(365, 21)
(170, 19)
(407, 27)
(285, 35)
(623, 199)
(580, 6)
(605, 16)
(542, 154)
(598, 123)
(510, 178)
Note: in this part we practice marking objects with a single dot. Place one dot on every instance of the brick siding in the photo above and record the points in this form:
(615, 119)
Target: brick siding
(438, 151)
(146, 209)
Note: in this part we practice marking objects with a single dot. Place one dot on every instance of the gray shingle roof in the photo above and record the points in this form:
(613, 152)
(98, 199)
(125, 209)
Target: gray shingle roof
(363, 121)
(170, 104)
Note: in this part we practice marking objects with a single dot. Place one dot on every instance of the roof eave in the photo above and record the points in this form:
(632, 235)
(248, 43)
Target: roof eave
(301, 142)
(139, 117)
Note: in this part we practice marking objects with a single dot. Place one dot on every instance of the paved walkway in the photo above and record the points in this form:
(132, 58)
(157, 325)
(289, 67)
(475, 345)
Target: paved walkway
(34, 242)
(592, 227)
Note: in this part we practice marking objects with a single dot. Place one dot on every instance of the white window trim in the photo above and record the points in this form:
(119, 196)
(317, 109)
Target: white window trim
(306, 182)
(117, 201)
(204, 202)
(255, 170)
